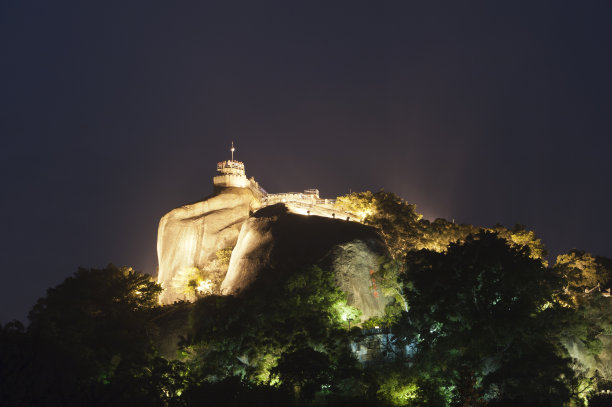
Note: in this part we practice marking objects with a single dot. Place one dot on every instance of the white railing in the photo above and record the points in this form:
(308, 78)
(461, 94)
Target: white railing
(230, 164)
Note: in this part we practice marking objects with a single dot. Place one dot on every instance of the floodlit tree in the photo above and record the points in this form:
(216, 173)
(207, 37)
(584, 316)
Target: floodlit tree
(396, 219)
(405, 230)
(248, 334)
(583, 272)
(93, 333)
(478, 316)
(519, 237)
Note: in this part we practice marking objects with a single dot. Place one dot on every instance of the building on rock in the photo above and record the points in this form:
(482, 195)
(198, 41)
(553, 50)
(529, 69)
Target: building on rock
(221, 244)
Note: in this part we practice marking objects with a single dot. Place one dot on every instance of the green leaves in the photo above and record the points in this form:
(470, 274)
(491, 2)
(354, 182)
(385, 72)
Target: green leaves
(396, 219)
(480, 307)
(405, 230)
(250, 332)
(583, 272)
(91, 333)
(303, 371)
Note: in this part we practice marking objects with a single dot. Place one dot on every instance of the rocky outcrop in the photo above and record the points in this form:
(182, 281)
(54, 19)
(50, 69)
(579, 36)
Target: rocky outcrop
(352, 263)
(273, 242)
(191, 235)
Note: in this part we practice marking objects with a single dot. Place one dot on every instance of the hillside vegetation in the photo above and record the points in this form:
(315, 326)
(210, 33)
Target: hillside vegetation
(477, 317)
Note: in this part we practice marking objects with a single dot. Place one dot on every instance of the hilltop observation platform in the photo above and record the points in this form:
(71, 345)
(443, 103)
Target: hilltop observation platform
(231, 167)
(232, 173)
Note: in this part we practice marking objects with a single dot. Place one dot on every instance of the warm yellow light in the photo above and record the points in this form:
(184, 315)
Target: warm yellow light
(363, 214)
(205, 286)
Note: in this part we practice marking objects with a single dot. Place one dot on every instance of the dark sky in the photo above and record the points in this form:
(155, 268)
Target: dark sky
(112, 114)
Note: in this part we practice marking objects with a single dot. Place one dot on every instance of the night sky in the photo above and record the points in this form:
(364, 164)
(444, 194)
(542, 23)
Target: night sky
(112, 114)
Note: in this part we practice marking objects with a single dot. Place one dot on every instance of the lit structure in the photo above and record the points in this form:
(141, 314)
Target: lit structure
(308, 197)
(231, 173)
(191, 236)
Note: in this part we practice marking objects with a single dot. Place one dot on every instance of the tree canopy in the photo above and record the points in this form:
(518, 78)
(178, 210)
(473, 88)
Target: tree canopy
(479, 319)
(405, 230)
(473, 312)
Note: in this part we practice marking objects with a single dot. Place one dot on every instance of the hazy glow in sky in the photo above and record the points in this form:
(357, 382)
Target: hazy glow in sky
(113, 114)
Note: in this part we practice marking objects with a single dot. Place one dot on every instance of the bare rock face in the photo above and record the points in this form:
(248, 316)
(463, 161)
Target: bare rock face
(352, 263)
(191, 235)
(273, 242)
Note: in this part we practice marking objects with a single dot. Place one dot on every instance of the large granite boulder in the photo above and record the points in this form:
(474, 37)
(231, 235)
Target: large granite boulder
(190, 236)
(273, 242)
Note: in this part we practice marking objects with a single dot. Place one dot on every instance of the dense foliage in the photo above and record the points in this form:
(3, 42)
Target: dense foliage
(280, 320)
(88, 343)
(478, 318)
(405, 230)
(474, 311)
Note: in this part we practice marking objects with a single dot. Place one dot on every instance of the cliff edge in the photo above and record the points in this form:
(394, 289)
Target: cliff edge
(273, 242)
(191, 235)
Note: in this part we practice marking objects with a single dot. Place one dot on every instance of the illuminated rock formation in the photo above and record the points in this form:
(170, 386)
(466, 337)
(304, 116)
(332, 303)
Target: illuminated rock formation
(190, 236)
(273, 242)
(294, 230)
